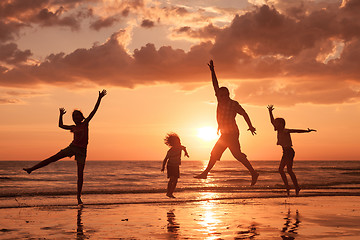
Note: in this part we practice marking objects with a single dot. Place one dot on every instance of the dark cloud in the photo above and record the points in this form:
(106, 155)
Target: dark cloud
(8, 30)
(207, 32)
(181, 11)
(16, 14)
(125, 12)
(19, 8)
(10, 54)
(49, 18)
(103, 23)
(146, 23)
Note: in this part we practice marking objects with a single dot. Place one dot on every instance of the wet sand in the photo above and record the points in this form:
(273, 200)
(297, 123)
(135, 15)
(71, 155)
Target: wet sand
(334, 217)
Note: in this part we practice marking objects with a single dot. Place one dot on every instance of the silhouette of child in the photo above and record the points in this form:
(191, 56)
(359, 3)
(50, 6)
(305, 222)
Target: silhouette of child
(173, 161)
(284, 140)
(78, 146)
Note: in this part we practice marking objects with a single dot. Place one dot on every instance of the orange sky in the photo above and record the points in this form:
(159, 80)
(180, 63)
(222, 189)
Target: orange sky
(151, 56)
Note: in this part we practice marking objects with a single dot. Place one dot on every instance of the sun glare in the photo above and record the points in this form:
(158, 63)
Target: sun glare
(207, 133)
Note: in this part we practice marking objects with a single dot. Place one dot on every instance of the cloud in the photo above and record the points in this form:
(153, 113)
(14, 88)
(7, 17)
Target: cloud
(8, 101)
(19, 8)
(8, 30)
(48, 18)
(110, 64)
(14, 96)
(208, 32)
(10, 54)
(268, 53)
(146, 23)
(283, 92)
(103, 23)
(16, 14)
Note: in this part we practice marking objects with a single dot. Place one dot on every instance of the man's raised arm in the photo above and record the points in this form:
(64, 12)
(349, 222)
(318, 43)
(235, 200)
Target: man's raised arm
(213, 76)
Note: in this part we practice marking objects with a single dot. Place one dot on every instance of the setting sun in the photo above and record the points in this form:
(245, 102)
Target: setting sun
(207, 133)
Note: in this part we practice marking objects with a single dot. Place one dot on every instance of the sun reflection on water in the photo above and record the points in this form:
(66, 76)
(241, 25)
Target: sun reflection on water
(209, 220)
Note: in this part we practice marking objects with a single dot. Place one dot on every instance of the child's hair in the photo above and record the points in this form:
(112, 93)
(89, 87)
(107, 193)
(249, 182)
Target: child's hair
(280, 123)
(171, 139)
(79, 112)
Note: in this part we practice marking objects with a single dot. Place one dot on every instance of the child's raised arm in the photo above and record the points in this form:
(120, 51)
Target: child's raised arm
(61, 124)
(91, 115)
(271, 109)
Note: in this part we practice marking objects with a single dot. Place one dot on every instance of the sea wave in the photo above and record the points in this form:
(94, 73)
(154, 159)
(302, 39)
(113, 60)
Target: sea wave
(354, 186)
(101, 200)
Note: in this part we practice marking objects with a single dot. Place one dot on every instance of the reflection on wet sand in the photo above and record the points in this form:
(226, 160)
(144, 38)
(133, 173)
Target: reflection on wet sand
(172, 226)
(209, 222)
(80, 227)
(215, 225)
(247, 234)
(289, 231)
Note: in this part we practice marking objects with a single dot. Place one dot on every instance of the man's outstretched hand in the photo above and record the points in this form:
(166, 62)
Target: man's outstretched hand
(211, 65)
(252, 130)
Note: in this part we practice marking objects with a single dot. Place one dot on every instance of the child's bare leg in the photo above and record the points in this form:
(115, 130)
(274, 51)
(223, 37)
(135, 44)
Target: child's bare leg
(171, 187)
(45, 162)
(283, 176)
(80, 180)
(168, 188)
(294, 180)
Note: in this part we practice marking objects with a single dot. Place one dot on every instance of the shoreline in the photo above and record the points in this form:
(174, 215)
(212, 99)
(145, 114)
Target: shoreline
(154, 198)
(160, 198)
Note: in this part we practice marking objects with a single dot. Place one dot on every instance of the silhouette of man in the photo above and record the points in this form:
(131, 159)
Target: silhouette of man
(229, 138)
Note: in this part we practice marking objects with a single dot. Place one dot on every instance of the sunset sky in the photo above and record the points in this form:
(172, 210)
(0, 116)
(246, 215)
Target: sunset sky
(151, 57)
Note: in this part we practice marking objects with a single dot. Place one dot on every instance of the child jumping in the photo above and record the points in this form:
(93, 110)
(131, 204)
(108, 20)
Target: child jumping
(173, 160)
(284, 140)
(78, 146)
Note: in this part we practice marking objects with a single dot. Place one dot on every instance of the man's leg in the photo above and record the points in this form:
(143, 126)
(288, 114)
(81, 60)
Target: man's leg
(216, 153)
(234, 147)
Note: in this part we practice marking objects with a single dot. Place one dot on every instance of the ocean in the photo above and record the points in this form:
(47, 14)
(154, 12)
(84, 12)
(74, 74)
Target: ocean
(123, 182)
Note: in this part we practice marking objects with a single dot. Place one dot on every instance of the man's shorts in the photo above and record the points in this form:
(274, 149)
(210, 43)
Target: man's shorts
(173, 171)
(225, 141)
(79, 152)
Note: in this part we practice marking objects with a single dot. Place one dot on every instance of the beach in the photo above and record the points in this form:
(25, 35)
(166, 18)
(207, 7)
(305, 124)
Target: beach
(126, 200)
(320, 217)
